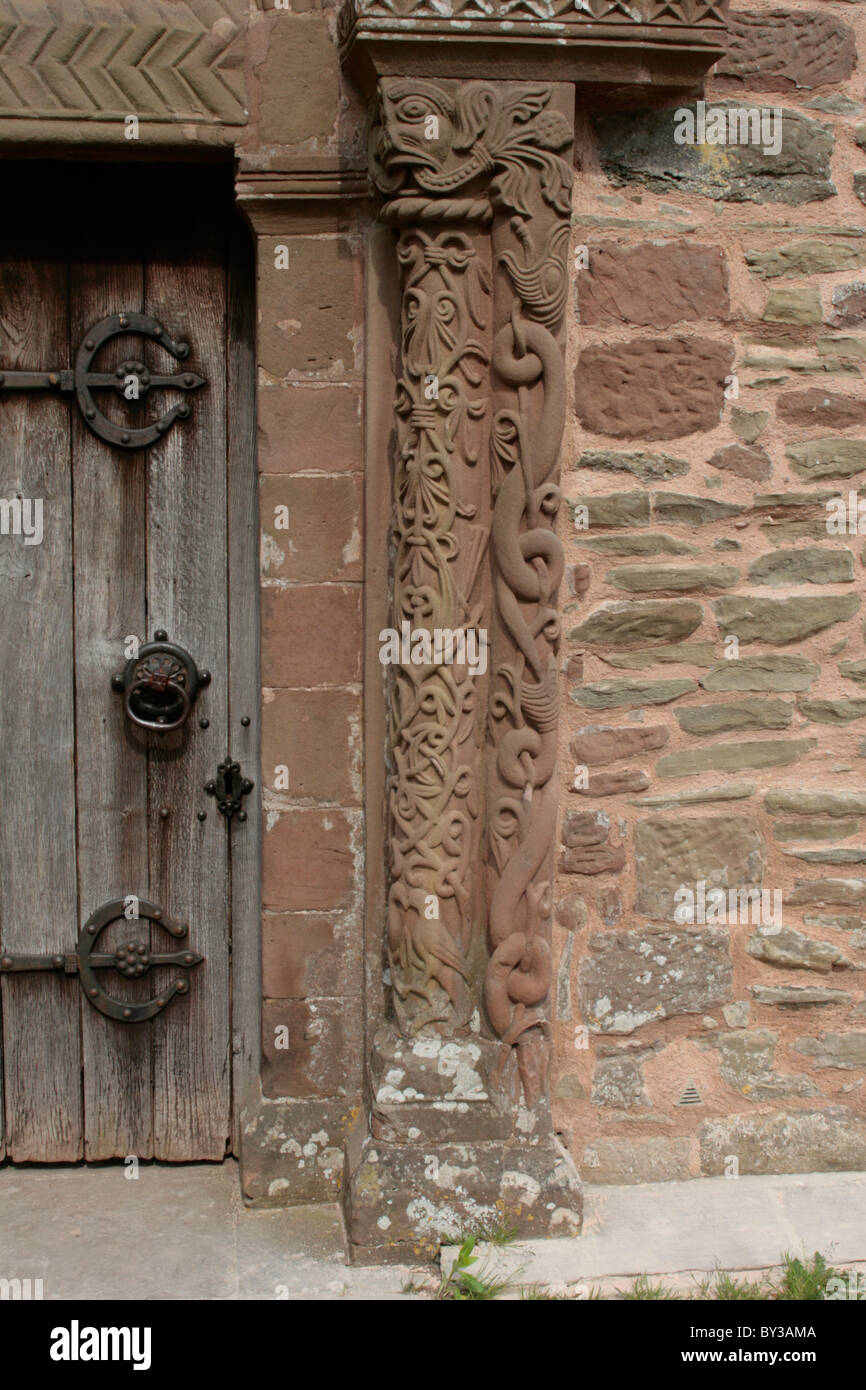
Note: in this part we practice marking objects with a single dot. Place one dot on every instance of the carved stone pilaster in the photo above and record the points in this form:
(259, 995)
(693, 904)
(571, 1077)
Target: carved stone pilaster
(475, 180)
(530, 248)
(439, 536)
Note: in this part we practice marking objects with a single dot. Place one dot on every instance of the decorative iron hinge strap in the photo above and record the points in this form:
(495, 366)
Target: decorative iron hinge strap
(132, 380)
(132, 959)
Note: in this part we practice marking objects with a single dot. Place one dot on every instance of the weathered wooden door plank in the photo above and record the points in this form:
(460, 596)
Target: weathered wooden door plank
(186, 531)
(38, 897)
(244, 691)
(106, 275)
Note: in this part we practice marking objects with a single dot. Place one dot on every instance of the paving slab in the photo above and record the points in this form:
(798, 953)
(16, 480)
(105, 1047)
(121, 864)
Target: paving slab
(174, 1232)
(672, 1228)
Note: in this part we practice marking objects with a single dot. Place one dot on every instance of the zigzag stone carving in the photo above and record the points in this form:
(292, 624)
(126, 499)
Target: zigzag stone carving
(570, 16)
(76, 60)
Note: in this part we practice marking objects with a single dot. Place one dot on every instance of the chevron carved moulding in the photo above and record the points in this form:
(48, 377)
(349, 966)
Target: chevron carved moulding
(95, 64)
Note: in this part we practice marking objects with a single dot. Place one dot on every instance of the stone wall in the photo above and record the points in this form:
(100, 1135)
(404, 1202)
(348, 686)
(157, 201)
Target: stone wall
(713, 632)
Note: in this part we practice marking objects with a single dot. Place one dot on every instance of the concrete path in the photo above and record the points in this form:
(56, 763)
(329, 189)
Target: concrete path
(174, 1232)
(183, 1232)
(686, 1229)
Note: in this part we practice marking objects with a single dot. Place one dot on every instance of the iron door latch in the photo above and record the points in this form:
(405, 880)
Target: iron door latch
(131, 380)
(132, 959)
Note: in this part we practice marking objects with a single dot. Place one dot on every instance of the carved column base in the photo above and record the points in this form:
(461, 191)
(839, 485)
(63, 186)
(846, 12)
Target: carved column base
(446, 1154)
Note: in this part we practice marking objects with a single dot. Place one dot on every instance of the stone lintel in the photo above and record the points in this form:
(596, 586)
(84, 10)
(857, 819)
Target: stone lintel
(599, 53)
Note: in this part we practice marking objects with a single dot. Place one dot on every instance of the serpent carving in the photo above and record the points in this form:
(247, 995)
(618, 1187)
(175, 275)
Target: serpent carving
(450, 160)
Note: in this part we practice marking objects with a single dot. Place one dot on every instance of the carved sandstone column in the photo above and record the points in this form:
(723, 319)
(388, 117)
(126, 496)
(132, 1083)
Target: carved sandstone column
(475, 180)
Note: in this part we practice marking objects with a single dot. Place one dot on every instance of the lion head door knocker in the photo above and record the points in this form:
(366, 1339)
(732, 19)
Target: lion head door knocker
(132, 380)
(160, 685)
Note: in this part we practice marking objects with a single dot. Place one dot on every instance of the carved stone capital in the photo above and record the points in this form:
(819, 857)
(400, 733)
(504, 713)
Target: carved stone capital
(446, 151)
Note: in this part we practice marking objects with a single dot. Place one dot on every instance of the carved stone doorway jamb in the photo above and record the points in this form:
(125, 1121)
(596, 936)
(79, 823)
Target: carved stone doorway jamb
(475, 181)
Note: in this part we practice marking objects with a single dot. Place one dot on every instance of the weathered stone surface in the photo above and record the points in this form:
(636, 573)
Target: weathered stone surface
(833, 711)
(826, 409)
(614, 783)
(853, 671)
(612, 509)
(735, 757)
(723, 851)
(598, 859)
(678, 508)
(792, 950)
(532, 1189)
(640, 146)
(660, 388)
(748, 425)
(794, 1141)
(829, 856)
(743, 462)
(630, 978)
(765, 672)
(679, 653)
(814, 829)
(620, 623)
(782, 620)
(844, 921)
(731, 791)
(844, 348)
(835, 105)
(799, 304)
(827, 458)
(569, 1087)
(654, 284)
(762, 360)
(783, 50)
(615, 694)
(596, 747)
(849, 306)
(746, 1063)
(784, 532)
(819, 892)
(648, 467)
(312, 312)
(571, 912)
(812, 257)
(300, 61)
(618, 1083)
(737, 1015)
(642, 579)
(582, 828)
(293, 1151)
(787, 801)
(654, 543)
(656, 1158)
(859, 182)
(797, 997)
(812, 565)
(609, 904)
(844, 1051)
(743, 714)
(795, 503)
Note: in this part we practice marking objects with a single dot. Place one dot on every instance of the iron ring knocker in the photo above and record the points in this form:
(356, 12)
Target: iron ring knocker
(132, 376)
(160, 685)
(131, 960)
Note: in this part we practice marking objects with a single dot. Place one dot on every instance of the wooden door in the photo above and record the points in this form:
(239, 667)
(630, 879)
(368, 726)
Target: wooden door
(133, 541)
